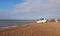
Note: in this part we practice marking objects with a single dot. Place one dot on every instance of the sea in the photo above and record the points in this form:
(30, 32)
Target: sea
(9, 23)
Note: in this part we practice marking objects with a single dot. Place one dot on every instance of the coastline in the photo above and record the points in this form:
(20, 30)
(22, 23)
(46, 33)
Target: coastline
(45, 29)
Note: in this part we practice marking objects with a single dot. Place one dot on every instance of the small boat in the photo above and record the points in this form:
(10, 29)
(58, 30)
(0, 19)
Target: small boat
(41, 20)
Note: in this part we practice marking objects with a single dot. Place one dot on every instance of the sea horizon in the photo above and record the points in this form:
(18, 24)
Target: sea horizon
(8, 23)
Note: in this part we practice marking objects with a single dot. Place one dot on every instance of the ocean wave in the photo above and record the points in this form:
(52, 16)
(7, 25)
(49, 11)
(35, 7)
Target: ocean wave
(8, 27)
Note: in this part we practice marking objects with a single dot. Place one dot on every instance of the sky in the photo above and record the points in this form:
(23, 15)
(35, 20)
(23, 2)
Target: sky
(29, 9)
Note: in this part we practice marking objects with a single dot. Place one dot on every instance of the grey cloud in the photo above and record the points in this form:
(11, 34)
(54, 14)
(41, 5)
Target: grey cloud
(39, 7)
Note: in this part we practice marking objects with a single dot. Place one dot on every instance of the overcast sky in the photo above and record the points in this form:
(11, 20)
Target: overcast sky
(29, 9)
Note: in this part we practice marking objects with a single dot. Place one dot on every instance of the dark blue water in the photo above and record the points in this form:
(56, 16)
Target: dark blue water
(6, 23)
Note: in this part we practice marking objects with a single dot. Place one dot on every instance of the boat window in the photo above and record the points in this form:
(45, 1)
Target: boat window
(42, 19)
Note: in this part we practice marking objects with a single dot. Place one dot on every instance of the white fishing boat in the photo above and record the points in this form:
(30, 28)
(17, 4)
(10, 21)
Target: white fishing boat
(41, 20)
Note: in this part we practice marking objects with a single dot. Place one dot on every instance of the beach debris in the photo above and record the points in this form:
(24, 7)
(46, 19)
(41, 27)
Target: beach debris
(56, 20)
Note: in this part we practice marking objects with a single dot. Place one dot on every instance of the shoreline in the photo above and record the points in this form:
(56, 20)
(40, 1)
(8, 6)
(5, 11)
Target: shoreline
(45, 29)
